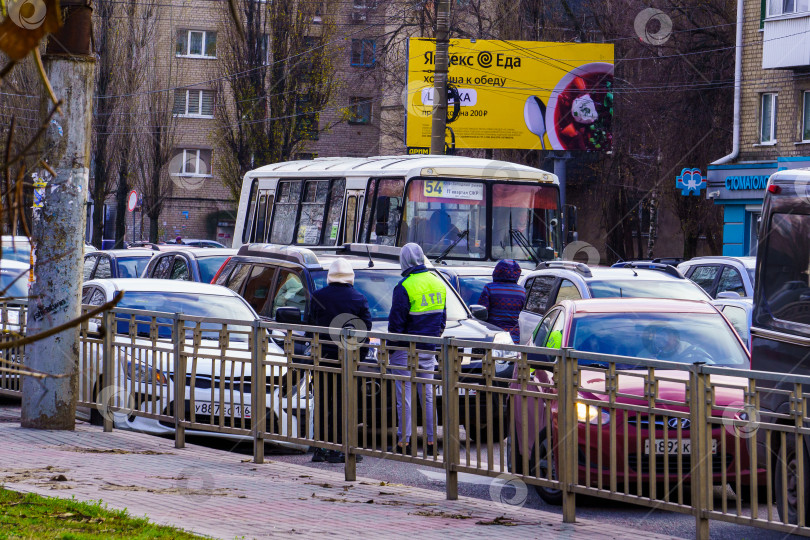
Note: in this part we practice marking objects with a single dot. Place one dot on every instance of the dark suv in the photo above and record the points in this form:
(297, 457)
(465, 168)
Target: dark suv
(270, 277)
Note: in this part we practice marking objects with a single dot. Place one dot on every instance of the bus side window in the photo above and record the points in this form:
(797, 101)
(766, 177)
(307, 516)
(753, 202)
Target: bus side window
(351, 219)
(391, 191)
(263, 213)
(246, 232)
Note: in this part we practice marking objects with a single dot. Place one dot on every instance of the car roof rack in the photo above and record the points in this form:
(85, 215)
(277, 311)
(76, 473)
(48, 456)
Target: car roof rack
(141, 245)
(579, 267)
(660, 267)
(672, 261)
(300, 255)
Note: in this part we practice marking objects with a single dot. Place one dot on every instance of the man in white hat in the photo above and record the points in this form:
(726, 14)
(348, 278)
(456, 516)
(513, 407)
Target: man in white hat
(338, 305)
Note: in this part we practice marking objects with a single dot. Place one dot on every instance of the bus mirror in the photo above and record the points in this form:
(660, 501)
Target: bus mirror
(383, 209)
(571, 218)
(381, 229)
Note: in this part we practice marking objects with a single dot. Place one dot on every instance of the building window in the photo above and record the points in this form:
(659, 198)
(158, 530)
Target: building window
(192, 162)
(806, 116)
(197, 43)
(194, 103)
(307, 118)
(360, 110)
(363, 52)
(787, 7)
(767, 119)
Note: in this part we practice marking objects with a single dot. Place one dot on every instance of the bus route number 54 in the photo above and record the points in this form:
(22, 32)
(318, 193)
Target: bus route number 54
(433, 188)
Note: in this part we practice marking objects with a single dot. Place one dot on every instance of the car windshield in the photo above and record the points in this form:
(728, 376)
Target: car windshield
(13, 285)
(677, 290)
(471, 287)
(193, 304)
(131, 267)
(378, 287)
(209, 266)
(20, 251)
(674, 337)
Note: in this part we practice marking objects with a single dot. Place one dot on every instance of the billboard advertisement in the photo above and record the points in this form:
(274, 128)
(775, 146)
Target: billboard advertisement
(516, 94)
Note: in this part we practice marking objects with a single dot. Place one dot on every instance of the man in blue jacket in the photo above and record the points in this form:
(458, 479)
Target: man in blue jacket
(338, 305)
(418, 308)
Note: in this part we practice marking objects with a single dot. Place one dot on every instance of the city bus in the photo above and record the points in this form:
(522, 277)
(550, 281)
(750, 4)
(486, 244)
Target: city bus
(780, 331)
(457, 208)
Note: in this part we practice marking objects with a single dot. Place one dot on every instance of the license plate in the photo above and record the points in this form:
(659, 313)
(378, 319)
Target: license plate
(440, 391)
(207, 408)
(671, 446)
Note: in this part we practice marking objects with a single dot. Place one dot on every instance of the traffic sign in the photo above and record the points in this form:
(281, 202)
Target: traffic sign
(132, 200)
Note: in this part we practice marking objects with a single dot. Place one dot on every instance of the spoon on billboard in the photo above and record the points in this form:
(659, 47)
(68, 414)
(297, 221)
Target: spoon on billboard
(534, 113)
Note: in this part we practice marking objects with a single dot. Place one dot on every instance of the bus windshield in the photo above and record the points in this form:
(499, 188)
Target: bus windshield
(449, 219)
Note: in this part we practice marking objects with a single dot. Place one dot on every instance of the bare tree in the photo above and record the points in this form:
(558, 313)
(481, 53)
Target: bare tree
(278, 76)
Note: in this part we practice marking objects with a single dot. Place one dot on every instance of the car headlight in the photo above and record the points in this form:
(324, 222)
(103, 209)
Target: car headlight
(591, 414)
(144, 374)
(503, 338)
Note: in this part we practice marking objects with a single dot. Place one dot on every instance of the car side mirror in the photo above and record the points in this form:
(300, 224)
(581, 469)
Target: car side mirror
(288, 315)
(479, 312)
(729, 295)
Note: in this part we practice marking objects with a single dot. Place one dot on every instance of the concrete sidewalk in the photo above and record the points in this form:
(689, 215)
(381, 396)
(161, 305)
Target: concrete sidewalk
(224, 495)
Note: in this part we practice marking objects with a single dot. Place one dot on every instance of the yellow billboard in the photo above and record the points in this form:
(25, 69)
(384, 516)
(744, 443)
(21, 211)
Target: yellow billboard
(516, 94)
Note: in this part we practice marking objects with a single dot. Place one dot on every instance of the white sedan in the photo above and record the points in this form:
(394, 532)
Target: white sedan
(217, 363)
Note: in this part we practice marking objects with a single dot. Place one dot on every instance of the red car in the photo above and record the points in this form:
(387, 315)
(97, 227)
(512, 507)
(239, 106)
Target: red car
(680, 331)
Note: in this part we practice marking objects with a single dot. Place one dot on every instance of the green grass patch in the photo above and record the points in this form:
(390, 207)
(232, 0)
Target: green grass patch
(24, 516)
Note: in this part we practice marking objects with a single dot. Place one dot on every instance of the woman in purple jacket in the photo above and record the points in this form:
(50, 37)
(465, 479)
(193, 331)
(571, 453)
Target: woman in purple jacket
(504, 298)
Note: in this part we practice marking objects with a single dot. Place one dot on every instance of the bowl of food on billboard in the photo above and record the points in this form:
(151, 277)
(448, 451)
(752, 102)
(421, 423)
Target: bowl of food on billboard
(579, 112)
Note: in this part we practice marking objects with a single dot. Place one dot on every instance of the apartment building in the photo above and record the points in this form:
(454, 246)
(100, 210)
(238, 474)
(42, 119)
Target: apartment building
(774, 115)
(189, 47)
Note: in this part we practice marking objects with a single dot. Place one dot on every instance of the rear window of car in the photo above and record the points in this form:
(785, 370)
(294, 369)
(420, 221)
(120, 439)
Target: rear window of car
(471, 287)
(131, 267)
(209, 266)
(677, 290)
(378, 288)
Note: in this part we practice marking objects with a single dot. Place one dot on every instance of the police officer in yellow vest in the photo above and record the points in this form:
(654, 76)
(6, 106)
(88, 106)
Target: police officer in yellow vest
(418, 308)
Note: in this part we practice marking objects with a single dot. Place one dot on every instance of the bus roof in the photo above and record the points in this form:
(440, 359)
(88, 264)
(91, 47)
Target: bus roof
(405, 166)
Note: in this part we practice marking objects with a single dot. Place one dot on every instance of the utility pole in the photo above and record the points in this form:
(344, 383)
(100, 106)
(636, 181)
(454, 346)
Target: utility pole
(59, 226)
(439, 124)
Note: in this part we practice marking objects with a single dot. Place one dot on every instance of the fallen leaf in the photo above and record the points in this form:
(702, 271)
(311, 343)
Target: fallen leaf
(500, 520)
(386, 493)
(58, 478)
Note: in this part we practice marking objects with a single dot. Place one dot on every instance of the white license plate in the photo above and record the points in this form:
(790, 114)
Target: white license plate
(440, 391)
(206, 408)
(670, 446)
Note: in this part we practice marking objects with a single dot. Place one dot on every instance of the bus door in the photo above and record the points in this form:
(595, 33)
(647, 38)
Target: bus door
(353, 213)
(264, 211)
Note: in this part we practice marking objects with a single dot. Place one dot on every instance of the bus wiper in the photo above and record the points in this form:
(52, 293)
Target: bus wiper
(449, 248)
(521, 241)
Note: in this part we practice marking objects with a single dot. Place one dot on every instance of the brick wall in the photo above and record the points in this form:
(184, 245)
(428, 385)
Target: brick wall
(788, 84)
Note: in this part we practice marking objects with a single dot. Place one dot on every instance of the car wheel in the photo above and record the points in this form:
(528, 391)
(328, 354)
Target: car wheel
(548, 469)
(549, 495)
(789, 508)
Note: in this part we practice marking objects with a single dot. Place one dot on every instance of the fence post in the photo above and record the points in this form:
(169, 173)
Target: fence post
(450, 420)
(567, 431)
(107, 366)
(179, 339)
(258, 391)
(700, 442)
(349, 402)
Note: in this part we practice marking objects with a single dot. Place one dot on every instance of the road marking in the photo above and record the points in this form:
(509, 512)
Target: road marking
(463, 478)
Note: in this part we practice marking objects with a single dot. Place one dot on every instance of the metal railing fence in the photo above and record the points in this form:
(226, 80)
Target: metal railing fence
(690, 438)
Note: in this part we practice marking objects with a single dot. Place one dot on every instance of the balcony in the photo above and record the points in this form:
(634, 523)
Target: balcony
(786, 41)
